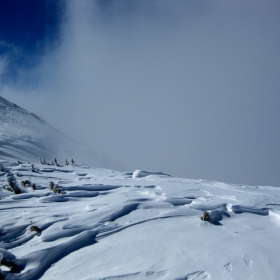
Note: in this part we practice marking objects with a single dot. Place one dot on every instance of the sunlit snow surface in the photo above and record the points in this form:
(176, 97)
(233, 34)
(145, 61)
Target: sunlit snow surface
(136, 225)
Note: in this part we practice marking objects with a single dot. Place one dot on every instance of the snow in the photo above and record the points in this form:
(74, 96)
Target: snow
(108, 226)
(131, 225)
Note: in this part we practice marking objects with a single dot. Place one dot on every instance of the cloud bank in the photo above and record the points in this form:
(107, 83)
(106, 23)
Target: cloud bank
(189, 88)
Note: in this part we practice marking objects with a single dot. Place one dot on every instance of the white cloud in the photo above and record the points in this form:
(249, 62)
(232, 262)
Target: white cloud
(188, 89)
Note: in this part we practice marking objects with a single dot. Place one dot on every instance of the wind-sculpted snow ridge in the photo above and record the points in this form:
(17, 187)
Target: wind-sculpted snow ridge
(141, 174)
(134, 225)
(26, 137)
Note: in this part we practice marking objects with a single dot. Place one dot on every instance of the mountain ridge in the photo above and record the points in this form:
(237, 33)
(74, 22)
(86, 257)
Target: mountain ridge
(27, 137)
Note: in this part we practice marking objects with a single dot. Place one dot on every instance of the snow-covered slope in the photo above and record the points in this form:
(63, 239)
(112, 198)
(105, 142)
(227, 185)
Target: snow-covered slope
(26, 137)
(140, 225)
(96, 223)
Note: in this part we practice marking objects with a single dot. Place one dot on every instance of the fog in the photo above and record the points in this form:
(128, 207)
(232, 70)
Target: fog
(190, 88)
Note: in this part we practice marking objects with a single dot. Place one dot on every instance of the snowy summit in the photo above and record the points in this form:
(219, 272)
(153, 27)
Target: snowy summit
(72, 221)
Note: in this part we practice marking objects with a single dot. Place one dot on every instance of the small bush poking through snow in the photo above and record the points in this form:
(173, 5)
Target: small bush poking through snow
(56, 163)
(2, 169)
(35, 228)
(28, 184)
(13, 187)
(206, 216)
(54, 188)
(51, 185)
(25, 183)
(43, 162)
(6, 188)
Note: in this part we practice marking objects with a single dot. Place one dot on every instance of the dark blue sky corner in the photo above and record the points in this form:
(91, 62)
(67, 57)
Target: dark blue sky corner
(27, 29)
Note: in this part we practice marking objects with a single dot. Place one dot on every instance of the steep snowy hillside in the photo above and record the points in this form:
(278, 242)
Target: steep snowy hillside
(26, 137)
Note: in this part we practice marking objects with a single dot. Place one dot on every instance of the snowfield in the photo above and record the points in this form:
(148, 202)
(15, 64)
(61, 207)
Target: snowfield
(95, 223)
(136, 225)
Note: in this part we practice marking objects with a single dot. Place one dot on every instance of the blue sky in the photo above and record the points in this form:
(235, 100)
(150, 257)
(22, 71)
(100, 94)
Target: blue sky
(27, 27)
(189, 88)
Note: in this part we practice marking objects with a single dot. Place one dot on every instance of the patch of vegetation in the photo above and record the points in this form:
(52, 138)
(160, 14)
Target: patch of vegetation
(2, 169)
(206, 216)
(28, 184)
(35, 229)
(12, 185)
(55, 188)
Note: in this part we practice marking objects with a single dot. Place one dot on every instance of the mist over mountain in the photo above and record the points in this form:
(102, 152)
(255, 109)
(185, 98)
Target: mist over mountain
(25, 136)
(189, 88)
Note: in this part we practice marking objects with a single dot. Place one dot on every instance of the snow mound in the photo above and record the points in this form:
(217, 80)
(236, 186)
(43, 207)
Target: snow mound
(141, 174)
